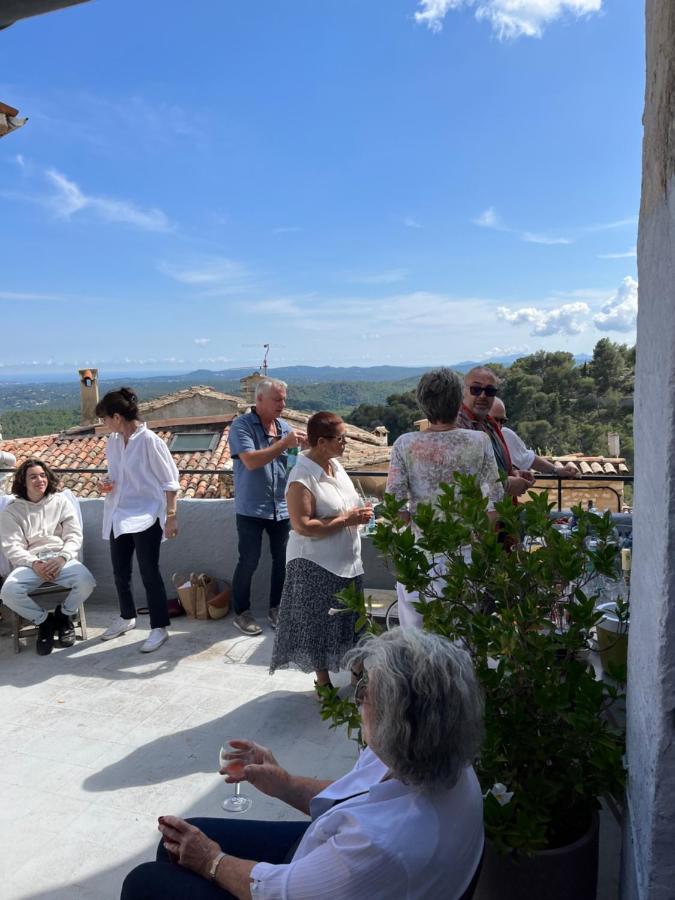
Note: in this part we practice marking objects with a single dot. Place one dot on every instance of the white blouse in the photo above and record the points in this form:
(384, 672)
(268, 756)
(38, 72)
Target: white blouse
(340, 552)
(391, 840)
(142, 471)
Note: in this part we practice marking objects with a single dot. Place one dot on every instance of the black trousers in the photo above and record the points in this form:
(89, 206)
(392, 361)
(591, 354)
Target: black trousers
(146, 544)
(250, 531)
(272, 842)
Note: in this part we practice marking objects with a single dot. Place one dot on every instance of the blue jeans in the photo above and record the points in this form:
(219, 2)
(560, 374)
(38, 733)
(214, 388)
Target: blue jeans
(271, 842)
(22, 580)
(250, 531)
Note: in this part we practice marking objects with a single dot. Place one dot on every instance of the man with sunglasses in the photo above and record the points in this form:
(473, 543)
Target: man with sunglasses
(480, 389)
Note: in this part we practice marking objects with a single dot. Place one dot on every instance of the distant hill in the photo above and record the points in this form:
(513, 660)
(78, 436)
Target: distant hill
(309, 388)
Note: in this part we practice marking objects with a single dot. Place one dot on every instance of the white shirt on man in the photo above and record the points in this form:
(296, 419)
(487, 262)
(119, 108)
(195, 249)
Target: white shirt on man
(522, 457)
(142, 471)
(340, 552)
(391, 840)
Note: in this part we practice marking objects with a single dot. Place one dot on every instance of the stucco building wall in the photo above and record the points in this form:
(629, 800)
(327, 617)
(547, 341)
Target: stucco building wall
(649, 836)
(207, 542)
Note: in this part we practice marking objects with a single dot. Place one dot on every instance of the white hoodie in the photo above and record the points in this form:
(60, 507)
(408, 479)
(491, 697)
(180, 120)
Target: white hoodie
(29, 530)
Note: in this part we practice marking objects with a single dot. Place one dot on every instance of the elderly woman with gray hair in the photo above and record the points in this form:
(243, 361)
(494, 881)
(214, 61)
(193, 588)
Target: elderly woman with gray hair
(405, 823)
(423, 460)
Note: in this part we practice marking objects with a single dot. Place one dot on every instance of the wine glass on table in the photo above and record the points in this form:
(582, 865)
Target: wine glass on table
(236, 802)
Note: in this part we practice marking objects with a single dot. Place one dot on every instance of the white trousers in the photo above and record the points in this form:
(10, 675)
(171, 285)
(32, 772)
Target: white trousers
(22, 580)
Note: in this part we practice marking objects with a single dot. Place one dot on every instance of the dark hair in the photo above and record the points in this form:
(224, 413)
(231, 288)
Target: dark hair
(439, 394)
(124, 401)
(322, 425)
(19, 488)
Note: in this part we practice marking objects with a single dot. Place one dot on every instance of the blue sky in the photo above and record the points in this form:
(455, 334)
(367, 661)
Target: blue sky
(353, 181)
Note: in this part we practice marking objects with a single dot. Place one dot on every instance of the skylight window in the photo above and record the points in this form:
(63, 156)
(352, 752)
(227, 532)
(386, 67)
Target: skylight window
(193, 441)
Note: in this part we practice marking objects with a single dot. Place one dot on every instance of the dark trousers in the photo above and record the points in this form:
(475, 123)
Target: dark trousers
(272, 842)
(250, 531)
(146, 544)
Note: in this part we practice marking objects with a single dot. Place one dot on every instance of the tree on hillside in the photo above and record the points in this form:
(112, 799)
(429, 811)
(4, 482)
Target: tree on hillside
(398, 415)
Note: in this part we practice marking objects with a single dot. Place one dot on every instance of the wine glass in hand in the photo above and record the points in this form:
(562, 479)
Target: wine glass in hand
(236, 802)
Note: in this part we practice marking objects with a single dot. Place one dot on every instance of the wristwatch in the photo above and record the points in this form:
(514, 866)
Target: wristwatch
(214, 865)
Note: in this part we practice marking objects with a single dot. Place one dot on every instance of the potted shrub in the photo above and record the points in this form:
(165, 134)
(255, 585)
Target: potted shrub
(522, 610)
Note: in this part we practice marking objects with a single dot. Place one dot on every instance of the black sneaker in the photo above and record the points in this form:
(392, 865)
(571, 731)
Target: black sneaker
(64, 628)
(45, 638)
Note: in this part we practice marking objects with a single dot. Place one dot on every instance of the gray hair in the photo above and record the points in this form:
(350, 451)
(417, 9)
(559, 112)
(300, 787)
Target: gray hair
(480, 370)
(263, 387)
(439, 394)
(426, 703)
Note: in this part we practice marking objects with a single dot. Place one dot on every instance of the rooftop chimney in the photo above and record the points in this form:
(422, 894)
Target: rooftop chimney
(88, 396)
(249, 385)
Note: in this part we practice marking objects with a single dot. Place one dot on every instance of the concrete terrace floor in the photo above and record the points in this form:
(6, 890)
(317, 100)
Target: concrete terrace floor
(98, 740)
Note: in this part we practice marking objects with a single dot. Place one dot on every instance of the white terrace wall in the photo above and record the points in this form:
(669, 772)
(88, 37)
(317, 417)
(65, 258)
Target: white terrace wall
(207, 542)
(649, 837)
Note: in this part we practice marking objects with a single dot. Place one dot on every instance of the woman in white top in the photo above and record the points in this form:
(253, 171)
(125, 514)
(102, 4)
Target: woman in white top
(405, 824)
(139, 511)
(323, 555)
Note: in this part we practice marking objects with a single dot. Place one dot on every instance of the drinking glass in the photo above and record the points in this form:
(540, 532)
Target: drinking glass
(236, 802)
(107, 485)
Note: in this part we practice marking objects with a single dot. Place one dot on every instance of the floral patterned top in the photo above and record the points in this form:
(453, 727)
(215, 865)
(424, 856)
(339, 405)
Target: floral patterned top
(422, 460)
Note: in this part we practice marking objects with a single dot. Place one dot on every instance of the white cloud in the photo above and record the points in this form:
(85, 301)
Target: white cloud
(202, 342)
(20, 161)
(286, 229)
(16, 295)
(508, 18)
(519, 350)
(70, 199)
(532, 238)
(608, 226)
(488, 218)
(565, 319)
(627, 254)
(389, 276)
(280, 306)
(206, 272)
(411, 222)
(619, 312)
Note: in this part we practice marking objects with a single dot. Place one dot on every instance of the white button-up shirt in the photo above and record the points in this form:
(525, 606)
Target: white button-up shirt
(522, 456)
(340, 552)
(392, 840)
(142, 471)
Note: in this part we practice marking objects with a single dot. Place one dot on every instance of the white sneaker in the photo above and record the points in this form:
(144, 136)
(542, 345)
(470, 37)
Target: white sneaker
(117, 627)
(155, 640)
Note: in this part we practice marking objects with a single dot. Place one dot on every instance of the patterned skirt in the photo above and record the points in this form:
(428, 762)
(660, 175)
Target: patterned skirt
(306, 635)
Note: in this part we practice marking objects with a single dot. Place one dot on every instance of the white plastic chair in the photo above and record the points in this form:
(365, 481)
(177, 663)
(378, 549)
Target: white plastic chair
(20, 627)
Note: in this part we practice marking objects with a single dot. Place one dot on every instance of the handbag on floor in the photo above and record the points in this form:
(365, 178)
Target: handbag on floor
(200, 596)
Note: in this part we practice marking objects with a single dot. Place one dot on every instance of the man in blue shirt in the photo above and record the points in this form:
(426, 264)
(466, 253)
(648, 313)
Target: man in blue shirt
(259, 444)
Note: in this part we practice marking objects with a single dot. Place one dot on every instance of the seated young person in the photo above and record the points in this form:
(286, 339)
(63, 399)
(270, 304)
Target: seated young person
(405, 823)
(40, 535)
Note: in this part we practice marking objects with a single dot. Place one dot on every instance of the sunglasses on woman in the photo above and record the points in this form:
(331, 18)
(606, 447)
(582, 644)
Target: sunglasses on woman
(476, 390)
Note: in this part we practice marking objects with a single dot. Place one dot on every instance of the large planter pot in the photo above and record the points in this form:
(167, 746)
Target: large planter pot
(567, 873)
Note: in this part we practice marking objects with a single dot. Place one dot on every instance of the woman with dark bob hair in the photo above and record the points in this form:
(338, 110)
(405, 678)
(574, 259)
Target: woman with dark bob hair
(405, 823)
(139, 511)
(423, 460)
(323, 554)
